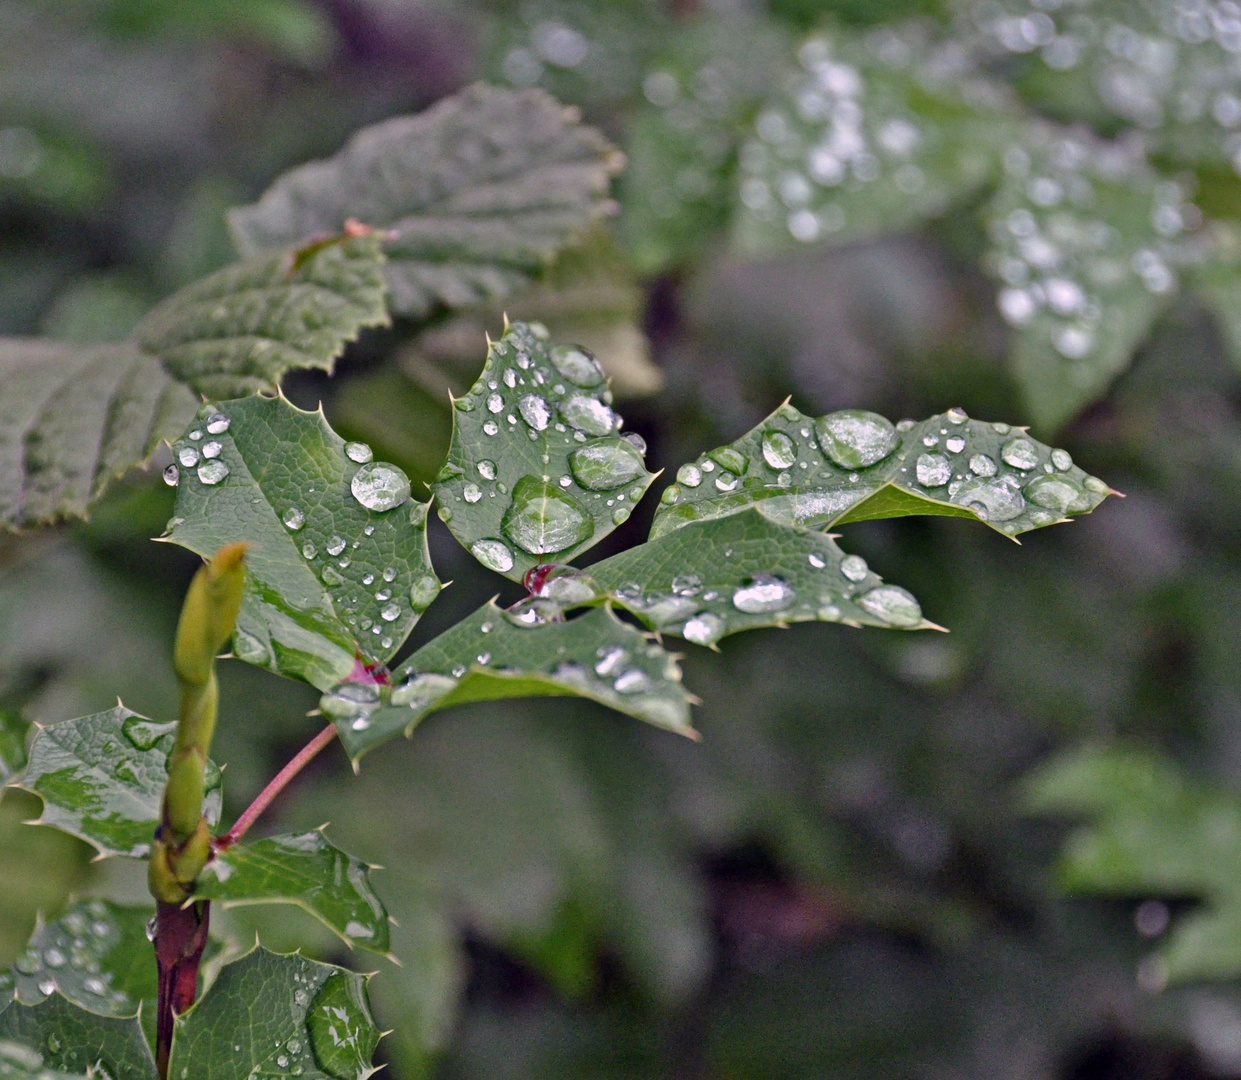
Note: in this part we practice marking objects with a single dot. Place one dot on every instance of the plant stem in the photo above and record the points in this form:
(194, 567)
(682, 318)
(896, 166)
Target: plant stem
(278, 783)
(180, 937)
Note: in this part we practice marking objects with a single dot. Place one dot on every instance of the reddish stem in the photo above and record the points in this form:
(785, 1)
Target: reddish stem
(278, 783)
(180, 937)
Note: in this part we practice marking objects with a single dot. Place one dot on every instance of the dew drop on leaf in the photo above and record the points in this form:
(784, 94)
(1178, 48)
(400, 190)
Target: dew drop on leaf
(1062, 460)
(542, 519)
(991, 499)
(309, 551)
(704, 628)
(610, 463)
(933, 470)
(335, 546)
(487, 469)
(218, 424)
(359, 452)
(588, 414)
(495, 403)
(893, 605)
(535, 412)
(188, 456)
(779, 451)
(577, 365)
(1020, 453)
(172, 476)
(633, 681)
(212, 472)
(493, 554)
(293, 518)
(471, 493)
(689, 475)
(390, 612)
(419, 691)
(763, 593)
(855, 438)
(1057, 493)
(983, 465)
(212, 449)
(854, 567)
(380, 486)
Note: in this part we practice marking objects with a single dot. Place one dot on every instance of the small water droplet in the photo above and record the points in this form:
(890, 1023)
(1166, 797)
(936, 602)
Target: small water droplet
(54, 958)
(495, 403)
(390, 612)
(1020, 453)
(196, 435)
(620, 515)
(535, 412)
(577, 365)
(493, 554)
(359, 452)
(419, 691)
(856, 438)
(763, 593)
(212, 472)
(633, 681)
(331, 578)
(422, 592)
(380, 486)
(956, 416)
(726, 481)
(687, 585)
(487, 469)
(606, 464)
(471, 493)
(611, 659)
(150, 929)
(933, 470)
(309, 551)
(955, 445)
(491, 427)
(510, 378)
(930, 440)
(779, 451)
(983, 465)
(1057, 493)
(892, 605)
(689, 475)
(542, 519)
(335, 546)
(1093, 483)
(817, 561)
(294, 518)
(444, 513)
(704, 628)
(212, 449)
(218, 424)
(1001, 428)
(172, 476)
(188, 456)
(1062, 460)
(854, 567)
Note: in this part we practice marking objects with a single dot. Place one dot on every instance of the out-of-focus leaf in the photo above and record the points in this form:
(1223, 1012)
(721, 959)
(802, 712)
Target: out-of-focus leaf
(20, 1061)
(537, 464)
(497, 654)
(48, 165)
(13, 731)
(268, 1015)
(304, 870)
(72, 1038)
(1218, 282)
(713, 578)
(339, 567)
(1150, 830)
(102, 777)
(96, 954)
(240, 329)
(867, 136)
(854, 465)
(477, 194)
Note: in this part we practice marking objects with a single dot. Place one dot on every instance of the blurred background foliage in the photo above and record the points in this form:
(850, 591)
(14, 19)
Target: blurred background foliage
(857, 872)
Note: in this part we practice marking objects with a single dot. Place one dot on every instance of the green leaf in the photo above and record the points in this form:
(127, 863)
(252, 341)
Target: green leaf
(240, 329)
(96, 955)
(273, 1015)
(72, 1039)
(866, 136)
(496, 654)
(854, 465)
(20, 1061)
(1086, 240)
(339, 568)
(75, 417)
(476, 194)
(304, 870)
(1150, 830)
(537, 465)
(13, 730)
(102, 777)
(717, 577)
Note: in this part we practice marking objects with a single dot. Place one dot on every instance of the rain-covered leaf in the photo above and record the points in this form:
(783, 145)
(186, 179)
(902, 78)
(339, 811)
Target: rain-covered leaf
(96, 954)
(854, 465)
(716, 577)
(102, 777)
(1087, 239)
(13, 730)
(513, 654)
(537, 464)
(240, 329)
(476, 195)
(76, 1040)
(865, 136)
(1151, 831)
(75, 417)
(338, 568)
(304, 870)
(273, 1015)
(21, 1061)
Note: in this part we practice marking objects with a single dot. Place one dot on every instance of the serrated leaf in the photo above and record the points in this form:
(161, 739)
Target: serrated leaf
(717, 577)
(865, 136)
(476, 194)
(21, 1061)
(1150, 830)
(240, 329)
(537, 465)
(307, 871)
(332, 576)
(494, 654)
(96, 955)
(273, 1015)
(13, 730)
(854, 465)
(73, 1039)
(75, 417)
(102, 778)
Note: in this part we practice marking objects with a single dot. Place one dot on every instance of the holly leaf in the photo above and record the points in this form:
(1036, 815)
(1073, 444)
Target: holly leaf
(304, 870)
(273, 1015)
(101, 778)
(338, 571)
(537, 464)
(13, 730)
(96, 955)
(21, 1061)
(74, 1040)
(476, 195)
(717, 577)
(855, 465)
(519, 653)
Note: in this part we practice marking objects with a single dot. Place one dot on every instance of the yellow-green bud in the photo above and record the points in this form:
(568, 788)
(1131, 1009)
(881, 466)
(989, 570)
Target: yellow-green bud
(209, 614)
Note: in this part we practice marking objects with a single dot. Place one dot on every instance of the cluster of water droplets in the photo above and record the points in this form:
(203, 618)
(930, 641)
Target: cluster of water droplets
(201, 452)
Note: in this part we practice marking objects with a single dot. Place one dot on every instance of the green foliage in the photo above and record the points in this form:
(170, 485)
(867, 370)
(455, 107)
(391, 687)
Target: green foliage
(71, 1038)
(20, 1061)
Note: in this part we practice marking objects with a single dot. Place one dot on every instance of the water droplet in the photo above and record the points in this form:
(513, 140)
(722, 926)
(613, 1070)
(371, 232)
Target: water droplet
(817, 561)
(633, 681)
(779, 451)
(172, 476)
(54, 958)
(1057, 493)
(444, 513)
(350, 701)
(369, 531)
(728, 458)
(1062, 460)
(542, 519)
(955, 445)
(704, 628)
(689, 475)
(493, 554)
(379, 486)
(331, 578)
(763, 593)
(687, 585)
(726, 481)
(359, 452)
(293, 518)
(422, 592)
(390, 612)
(495, 403)
(577, 365)
(212, 449)
(491, 427)
(620, 515)
(607, 464)
(892, 605)
(956, 416)
(218, 424)
(309, 551)
(991, 499)
(419, 691)
(611, 659)
(509, 377)
(1093, 483)
(188, 456)
(534, 411)
(855, 438)
(335, 546)
(1001, 428)
(1020, 453)
(933, 470)
(854, 567)
(212, 472)
(471, 493)
(588, 414)
(983, 465)
(196, 435)
(487, 469)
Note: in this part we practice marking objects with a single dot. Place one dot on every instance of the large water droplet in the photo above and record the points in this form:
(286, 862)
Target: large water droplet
(535, 412)
(588, 414)
(983, 465)
(732, 460)
(1062, 460)
(471, 493)
(172, 476)
(893, 605)
(309, 551)
(212, 472)
(1057, 493)
(188, 456)
(380, 486)
(1020, 453)
(763, 593)
(577, 365)
(601, 466)
(212, 449)
(704, 628)
(390, 612)
(854, 567)
(495, 403)
(350, 701)
(422, 592)
(779, 451)
(689, 475)
(419, 691)
(335, 546)
(855, 438)
(359, 452)
(218, 424)
(493, 554)
(933, 470)
(487, 469)
(543, 519)
(293, 518)
(991, 499)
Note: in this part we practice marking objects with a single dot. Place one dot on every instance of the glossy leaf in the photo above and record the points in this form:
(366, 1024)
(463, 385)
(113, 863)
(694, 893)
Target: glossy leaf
(476, 194)
(102, 777)
(304, 870)
(240, 329)
(273, 1015)
(75, 1040)
(717, 577)
(537, 464)
(495, 654)
(854, 466)
(338, 568)
(21, 1061)
(96, 955)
